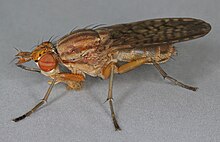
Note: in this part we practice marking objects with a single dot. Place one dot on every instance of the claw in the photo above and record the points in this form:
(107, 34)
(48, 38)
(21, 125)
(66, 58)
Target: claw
(19, 118)
(22, 57)
(22, 60)
(108, 100)
(13, 60)
(24, 54)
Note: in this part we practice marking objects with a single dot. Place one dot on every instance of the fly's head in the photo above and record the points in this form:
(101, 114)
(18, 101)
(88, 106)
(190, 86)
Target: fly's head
(44, 55)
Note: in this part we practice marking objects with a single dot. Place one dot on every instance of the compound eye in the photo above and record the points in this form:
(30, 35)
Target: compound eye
(47, 62)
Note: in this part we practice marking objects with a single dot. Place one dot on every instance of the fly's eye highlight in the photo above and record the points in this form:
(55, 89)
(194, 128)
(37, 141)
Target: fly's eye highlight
(47, 62)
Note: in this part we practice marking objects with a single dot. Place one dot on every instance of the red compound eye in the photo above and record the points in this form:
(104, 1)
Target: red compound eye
(47, 62)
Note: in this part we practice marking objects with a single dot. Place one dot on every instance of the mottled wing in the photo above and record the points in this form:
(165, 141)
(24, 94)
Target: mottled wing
(156, 32)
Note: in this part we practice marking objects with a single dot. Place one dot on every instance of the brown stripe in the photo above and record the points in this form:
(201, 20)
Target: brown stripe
(78, 36)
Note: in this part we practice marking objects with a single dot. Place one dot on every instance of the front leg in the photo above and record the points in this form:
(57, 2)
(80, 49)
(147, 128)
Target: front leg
(44, 100)
(28, 68)
(73, 81)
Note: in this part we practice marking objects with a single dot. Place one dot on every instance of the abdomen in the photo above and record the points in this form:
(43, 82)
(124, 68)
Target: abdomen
(160, 54)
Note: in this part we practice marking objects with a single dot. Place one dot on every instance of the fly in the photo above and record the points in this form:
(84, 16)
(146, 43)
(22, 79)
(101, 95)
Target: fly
(105, 51)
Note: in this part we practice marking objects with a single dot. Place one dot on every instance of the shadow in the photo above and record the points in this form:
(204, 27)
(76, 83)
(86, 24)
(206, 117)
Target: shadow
(56, 98)
(196, 60)
(98, 95)
(92, 81)
(124, 95)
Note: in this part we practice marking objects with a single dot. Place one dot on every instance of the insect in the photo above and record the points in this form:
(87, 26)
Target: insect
(98, 51)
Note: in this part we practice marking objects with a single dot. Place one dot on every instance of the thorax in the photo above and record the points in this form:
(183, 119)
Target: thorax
(81, 51)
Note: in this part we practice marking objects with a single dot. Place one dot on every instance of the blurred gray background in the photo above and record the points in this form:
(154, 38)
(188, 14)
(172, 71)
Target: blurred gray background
(147, 107)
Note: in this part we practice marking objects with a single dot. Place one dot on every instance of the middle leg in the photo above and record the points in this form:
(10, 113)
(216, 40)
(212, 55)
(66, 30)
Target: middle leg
(110, 99)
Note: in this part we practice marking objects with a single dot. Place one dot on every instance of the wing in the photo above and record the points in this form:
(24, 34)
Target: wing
(155, 32)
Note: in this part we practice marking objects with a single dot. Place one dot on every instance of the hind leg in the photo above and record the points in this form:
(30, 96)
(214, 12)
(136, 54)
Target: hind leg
(176, 82)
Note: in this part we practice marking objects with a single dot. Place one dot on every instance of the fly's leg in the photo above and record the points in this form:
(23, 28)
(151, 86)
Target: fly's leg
(69, 76)
(176, 82)
(28, 68)
(109, 71)
(73, 81)
(123, 68)
(44, 100)
(110, 99)
(131, 65)
(74, 85)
